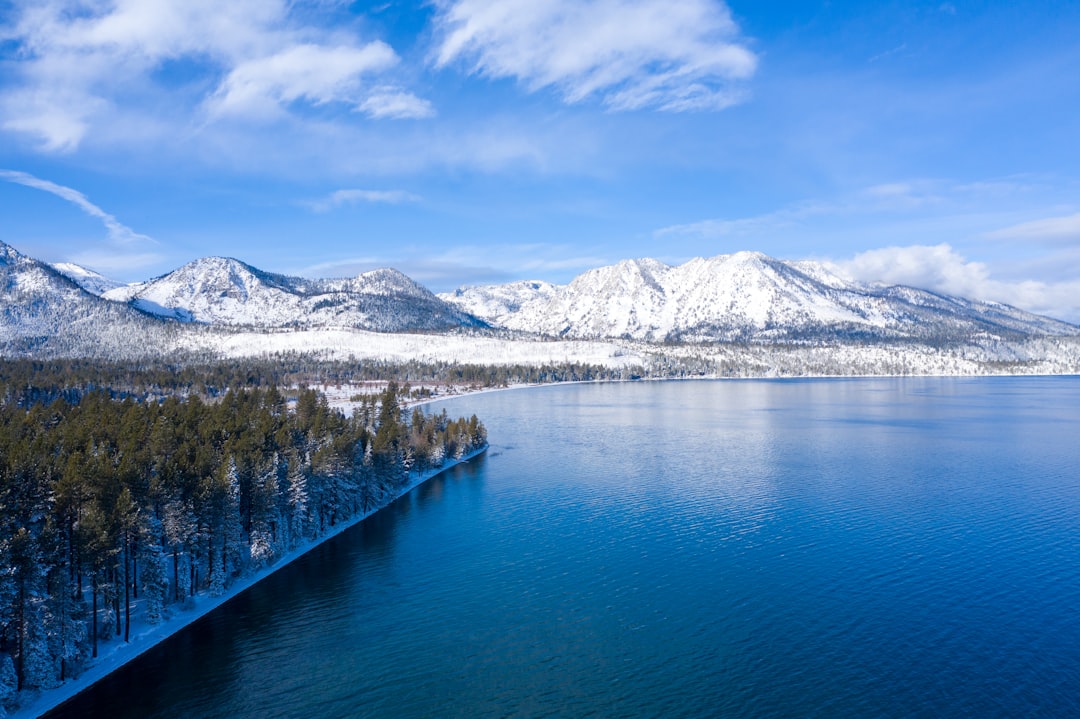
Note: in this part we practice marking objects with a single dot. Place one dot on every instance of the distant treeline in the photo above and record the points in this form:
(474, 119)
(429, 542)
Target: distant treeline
(120, 510)
(26, 382)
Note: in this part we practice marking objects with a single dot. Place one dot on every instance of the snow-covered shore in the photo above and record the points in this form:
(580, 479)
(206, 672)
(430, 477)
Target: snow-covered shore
(117, 653)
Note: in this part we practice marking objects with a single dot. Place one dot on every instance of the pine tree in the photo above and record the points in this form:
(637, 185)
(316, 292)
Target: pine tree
(65, 627)
(9, 683)
(437, 456)
(298, 500)
(180, 528)
(264, 519)
(153, 577)
(28, 619)
(232, 531)
(37, 663)
(127, 520)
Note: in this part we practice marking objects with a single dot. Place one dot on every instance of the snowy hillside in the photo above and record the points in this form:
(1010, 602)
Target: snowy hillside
(93, 282)
(499, 303)
(743, 296)
(44, 313)
(223, 291)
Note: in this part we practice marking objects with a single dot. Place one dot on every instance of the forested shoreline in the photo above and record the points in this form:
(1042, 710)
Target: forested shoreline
(117, 510)
(26, 381)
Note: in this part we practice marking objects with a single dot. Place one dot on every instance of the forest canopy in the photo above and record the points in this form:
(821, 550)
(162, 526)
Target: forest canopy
(114, 502)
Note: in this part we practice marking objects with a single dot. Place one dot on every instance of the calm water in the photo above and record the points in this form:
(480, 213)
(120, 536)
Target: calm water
(730, 549)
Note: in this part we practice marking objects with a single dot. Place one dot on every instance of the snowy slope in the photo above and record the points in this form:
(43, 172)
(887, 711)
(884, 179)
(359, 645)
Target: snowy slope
(44, 313)
(743, 296)
(224, 291)
(497, 303)
(93, 282)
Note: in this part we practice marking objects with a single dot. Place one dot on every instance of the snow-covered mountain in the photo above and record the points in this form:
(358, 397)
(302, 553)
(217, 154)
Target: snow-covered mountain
(802, 318)
(44, 313)
(224, 291)
(742, 296)
(499, 304)
(93, 282)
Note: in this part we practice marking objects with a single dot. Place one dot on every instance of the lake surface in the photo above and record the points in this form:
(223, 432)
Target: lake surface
(808, 548)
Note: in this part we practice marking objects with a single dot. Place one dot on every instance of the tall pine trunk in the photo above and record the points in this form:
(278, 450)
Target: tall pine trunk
(94, 593)
(135, 569)
(127, 593)
(116, 598)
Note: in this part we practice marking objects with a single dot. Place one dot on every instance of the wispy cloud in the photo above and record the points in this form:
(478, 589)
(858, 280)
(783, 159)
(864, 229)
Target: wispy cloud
(469, 264)
(718, 228)
(436, 273)
(114, 264)
(396, 104)
(340, 198)
(118, 232)
(1050, 229)
(344, 267)
(888, 53)
(265, 86)
(896, 198)
(629, 54)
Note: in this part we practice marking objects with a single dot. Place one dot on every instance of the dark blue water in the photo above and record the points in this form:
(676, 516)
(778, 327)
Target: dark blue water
(819, 548)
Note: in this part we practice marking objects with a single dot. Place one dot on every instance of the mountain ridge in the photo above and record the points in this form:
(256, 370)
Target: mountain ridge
(731, 315)
(745, 296)
(43, 311)
(227, 291)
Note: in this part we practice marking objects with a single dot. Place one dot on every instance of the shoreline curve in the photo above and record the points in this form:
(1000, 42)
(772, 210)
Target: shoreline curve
(118, 653)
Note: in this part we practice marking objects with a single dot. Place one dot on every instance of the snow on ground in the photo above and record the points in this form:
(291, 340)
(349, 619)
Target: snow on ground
(341, 396)
(1046, 355)
(343, 344)
(115, 654)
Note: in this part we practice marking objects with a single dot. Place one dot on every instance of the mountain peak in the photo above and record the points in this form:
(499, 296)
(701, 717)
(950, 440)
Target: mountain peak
(747, 296)
(8, 254)
(388, 280)
(223, 290)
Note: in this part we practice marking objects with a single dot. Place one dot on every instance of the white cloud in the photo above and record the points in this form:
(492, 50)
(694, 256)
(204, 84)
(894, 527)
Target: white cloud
(630, 54)
(58, 117)
(936, 267)
(1050, 229)
(340, 198)
(119, 233)
(80, 68)
(941, 269)
(318, 75)
(396, 104)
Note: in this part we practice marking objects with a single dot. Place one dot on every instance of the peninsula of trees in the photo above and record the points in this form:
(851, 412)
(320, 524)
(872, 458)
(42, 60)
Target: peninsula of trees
(120, 510)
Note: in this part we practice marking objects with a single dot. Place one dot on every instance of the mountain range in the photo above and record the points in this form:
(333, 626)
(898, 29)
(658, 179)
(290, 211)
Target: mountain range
(745, 296)
(742, 297)
(224, 291)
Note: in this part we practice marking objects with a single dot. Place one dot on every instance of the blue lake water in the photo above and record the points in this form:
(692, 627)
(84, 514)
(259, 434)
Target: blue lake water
(809, 548)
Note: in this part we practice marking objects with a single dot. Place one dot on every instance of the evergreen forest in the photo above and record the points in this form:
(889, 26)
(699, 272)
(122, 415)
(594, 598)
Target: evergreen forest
(119, 507)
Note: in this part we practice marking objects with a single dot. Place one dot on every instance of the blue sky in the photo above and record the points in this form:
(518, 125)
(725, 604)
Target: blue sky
(481, 141)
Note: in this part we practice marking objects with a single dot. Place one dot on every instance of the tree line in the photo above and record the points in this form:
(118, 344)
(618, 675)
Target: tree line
(29, 381)
(114, 511)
